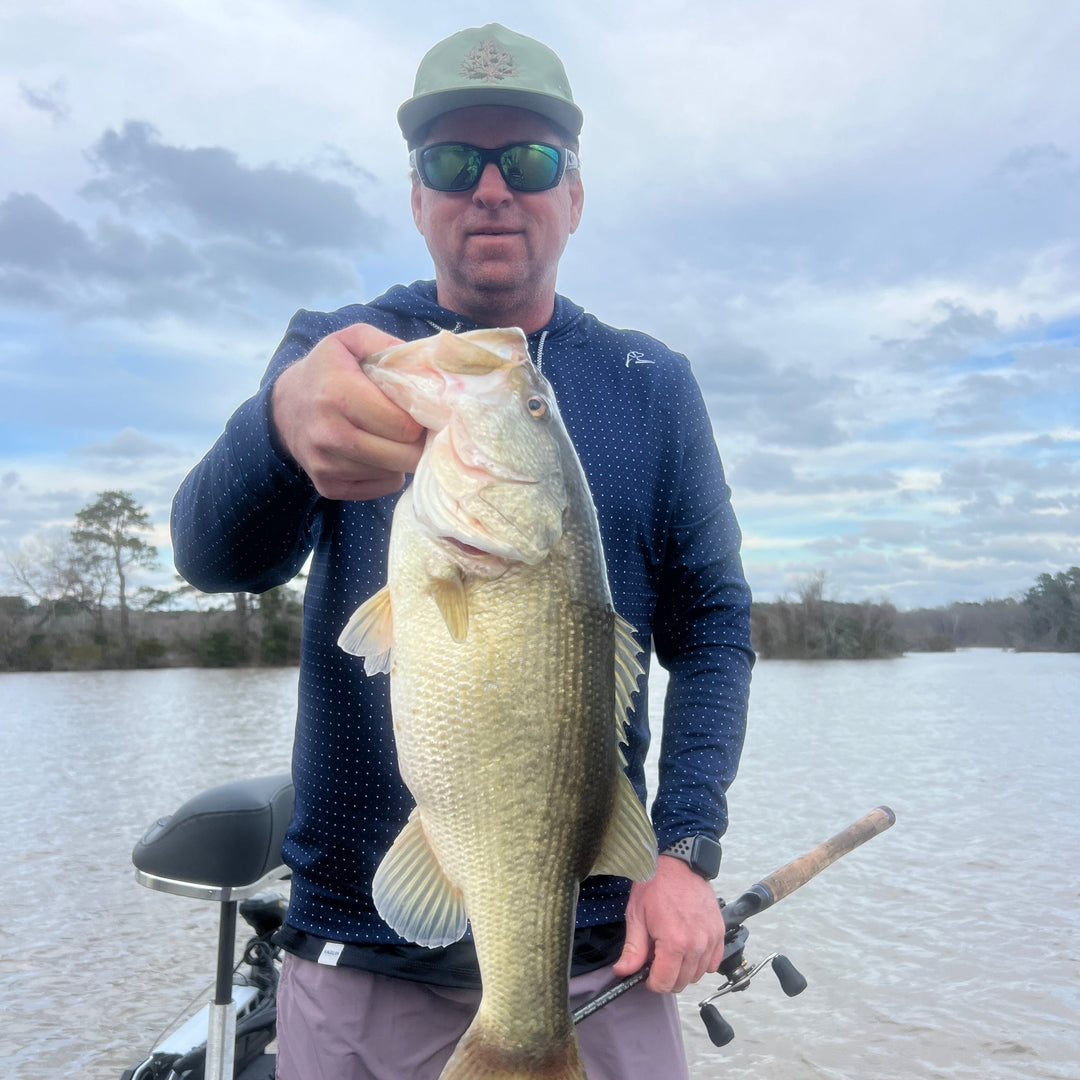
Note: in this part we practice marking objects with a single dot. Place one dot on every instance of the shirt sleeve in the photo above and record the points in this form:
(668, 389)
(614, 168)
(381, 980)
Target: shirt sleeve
(242, 519)
(701, 634)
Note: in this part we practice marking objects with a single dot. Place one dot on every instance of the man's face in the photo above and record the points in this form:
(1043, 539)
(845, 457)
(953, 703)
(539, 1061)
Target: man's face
(493, 246)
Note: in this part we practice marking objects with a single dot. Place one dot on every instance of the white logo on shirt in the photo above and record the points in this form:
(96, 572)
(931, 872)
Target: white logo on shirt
(635, 357)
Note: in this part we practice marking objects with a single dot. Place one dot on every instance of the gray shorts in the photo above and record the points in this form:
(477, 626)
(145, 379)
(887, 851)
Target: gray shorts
(337, 1023)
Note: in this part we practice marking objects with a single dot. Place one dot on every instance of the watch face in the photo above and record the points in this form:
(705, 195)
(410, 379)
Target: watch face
(705, 857)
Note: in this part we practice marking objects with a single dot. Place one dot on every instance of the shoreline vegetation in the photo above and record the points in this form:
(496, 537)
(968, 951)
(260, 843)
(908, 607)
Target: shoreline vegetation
(812, 627)
(72, 610)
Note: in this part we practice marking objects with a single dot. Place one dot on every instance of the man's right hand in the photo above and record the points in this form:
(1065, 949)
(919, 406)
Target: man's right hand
(342, 430)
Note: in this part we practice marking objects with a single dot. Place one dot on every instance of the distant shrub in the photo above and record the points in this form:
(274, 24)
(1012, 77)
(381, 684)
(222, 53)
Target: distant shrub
(149, 652)
(277, 646)
(218, 649)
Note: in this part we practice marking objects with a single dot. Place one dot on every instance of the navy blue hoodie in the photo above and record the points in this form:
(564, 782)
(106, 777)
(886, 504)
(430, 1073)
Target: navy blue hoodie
(246, 518)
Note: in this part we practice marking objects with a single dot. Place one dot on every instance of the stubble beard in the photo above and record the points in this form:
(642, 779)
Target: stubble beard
(496, 293)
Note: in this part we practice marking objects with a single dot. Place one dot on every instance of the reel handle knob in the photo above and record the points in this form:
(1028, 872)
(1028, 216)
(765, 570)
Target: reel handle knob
(792, 982)
(720, 1031)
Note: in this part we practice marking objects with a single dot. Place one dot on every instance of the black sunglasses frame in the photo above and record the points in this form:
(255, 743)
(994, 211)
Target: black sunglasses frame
(567, 159)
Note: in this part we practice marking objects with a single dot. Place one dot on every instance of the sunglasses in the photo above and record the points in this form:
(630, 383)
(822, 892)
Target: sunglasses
(453, 166)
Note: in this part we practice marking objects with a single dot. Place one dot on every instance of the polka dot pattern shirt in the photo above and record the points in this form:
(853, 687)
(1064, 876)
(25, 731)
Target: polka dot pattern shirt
(246, 518)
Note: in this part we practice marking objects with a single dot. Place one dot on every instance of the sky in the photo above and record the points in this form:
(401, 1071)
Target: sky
(860, 221)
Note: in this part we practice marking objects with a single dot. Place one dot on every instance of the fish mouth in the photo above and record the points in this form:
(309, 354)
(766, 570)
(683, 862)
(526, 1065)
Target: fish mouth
(467, 549)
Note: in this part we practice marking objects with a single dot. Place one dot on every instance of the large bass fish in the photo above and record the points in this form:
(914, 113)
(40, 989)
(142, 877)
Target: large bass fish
(510, 677)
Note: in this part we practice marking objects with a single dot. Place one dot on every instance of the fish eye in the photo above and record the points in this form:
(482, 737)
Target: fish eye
(537, 406)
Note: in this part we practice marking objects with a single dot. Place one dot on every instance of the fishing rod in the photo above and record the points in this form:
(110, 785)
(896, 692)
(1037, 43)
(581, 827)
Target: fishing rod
(758, 898)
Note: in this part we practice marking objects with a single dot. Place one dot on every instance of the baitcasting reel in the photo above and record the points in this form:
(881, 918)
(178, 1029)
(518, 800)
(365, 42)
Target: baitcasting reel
(738, 972)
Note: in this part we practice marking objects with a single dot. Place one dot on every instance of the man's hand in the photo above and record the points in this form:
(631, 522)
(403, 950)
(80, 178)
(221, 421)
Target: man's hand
(342, 430)
(675, 921)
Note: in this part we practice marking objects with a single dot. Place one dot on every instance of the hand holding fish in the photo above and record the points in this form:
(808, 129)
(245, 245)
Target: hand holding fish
(342, 430)
(674, 921)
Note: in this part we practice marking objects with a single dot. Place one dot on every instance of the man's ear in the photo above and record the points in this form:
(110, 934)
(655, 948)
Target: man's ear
(577, 200)
(414, 199)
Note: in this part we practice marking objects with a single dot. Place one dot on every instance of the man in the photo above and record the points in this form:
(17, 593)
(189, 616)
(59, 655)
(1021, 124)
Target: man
(312, 465)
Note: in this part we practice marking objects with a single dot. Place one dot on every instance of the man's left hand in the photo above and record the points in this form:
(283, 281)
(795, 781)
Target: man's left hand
(673, 920)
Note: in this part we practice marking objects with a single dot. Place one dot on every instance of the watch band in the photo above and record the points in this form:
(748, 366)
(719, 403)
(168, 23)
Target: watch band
(701, 853)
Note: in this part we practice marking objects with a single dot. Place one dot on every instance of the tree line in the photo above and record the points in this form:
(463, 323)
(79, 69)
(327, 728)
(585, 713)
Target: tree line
(807, 626)
(75, 609)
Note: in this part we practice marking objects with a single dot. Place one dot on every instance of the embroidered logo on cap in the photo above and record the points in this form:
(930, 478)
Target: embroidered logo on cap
(489, 61)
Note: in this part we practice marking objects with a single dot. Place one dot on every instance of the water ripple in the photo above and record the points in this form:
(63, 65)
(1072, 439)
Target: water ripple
(946, 948)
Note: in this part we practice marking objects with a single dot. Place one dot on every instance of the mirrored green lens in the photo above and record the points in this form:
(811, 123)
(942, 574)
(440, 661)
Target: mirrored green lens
(451, 168)
(530, 167)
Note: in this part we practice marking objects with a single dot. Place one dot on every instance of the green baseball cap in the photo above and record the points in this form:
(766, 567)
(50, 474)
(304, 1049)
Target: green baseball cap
(489, 65)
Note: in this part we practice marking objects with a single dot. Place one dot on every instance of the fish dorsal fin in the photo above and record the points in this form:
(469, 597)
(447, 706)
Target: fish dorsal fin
(413, 895)
(448, 592)
(628, 670)
(629, 848)
(457, 355)
(509, 342)
(370, 633)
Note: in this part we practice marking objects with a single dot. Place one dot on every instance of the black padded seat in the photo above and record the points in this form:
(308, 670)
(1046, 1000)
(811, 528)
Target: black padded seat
(228, 837)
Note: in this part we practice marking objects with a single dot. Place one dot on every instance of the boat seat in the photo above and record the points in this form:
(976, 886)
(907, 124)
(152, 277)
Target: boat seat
(222, 843)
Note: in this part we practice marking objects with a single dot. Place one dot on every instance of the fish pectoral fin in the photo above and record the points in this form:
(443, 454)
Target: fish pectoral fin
(370, 633)
(413, 895)
(449, 596)
(629, 848)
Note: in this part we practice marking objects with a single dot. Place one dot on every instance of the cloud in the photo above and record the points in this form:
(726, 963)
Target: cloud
(782, 405)
(895, 216)
(1053, 480)
(802, 475)
(268, 205)
(35, 237)
(984, 402)
(894, 533)
(47, 494)
(765, 471)
(953, 331)
(1026, 388)
(1033, 166)
(51, 99)
(46, 256)
(186, 232)
(129, 445)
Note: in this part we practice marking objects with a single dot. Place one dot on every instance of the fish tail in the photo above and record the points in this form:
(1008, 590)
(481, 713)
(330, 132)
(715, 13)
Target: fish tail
(480, 1057)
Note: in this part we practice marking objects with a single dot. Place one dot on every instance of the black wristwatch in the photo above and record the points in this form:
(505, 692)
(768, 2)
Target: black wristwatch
(700, 853)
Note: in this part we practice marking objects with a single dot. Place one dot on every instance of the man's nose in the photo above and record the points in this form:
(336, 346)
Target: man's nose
(491, 189)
